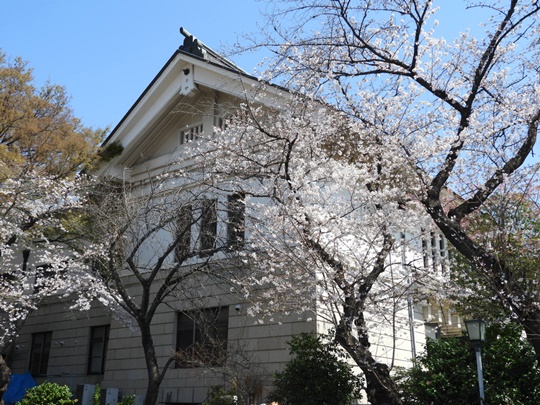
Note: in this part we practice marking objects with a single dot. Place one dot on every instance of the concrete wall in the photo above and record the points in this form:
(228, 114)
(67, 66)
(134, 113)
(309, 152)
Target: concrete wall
(68, 360)
(256, 351)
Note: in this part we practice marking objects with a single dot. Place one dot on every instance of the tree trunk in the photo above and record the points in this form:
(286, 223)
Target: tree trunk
(152, 368)
(5, 373)
(380, 387)
(152, 392)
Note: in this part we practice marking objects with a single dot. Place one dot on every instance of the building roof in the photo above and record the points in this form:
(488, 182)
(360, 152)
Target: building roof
(193, 48)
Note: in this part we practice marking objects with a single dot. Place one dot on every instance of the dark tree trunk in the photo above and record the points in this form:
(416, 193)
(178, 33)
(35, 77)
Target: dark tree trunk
(5, 373)
(152, 392)
(380, 387)
(154, 375)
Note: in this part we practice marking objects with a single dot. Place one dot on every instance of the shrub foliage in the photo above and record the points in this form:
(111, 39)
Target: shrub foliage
(446, 372)
(48, 394)
(316, 375)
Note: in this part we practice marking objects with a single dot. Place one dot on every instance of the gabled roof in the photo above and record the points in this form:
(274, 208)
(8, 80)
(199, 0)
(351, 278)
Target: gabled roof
(194, 51)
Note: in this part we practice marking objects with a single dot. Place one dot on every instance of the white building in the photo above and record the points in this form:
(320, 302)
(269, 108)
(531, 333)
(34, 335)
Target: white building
(188, 96)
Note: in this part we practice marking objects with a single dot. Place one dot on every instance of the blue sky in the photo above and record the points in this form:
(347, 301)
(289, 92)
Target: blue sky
(105, 52)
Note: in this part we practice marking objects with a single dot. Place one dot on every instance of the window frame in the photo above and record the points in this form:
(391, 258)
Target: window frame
(202, 339)
(208, 227)
(91, 347)
(39, 360)
(236, 220)
(432, 330)
(183, 233)
(190, 133)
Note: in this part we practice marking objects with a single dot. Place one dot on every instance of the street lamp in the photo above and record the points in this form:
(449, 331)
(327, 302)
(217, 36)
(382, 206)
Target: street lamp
(476, 329)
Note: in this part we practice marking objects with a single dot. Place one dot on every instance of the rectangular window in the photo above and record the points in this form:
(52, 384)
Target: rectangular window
(434, 255)
(39, 353)
(190, 133)
(433, 330)
(219, 122)
(425, 253)
(183, 233)
(443, 253)
(208, 230)
(201, 337)
(99, 338)
(236, 208)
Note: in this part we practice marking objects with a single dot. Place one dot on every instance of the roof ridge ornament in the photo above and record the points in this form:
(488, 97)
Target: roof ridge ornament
(195, 47)
(191, 45)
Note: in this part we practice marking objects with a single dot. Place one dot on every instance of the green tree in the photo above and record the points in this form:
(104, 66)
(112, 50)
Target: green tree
(446, 372)
(507, 225)
(39, 133)
(317, 375)
(42, 148)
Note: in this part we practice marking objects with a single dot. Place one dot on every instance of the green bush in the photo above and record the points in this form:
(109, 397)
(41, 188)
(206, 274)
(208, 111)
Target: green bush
(127, 400)
(316, 375)
(218, 396)
(446, 372)
(48, 394)
(96, 399)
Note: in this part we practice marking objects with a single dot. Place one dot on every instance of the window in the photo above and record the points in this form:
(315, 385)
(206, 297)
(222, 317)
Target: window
(99, 338)
(434, 256)
(208, 230)
(425, 253)
(236, 209)
(183, 233)
(435, 250)
(433, 330)
(443, 250)
(189, 134)
(204, 238)
(201, 337)
(39, 353)
(219, 122)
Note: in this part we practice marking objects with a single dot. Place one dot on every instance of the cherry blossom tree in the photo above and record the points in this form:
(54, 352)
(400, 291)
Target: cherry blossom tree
(330, 229)
(43, 255)
(463, 108)
(42, 148)
(159, 239)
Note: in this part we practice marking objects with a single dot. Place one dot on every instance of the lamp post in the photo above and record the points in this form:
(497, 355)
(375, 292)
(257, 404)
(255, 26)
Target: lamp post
(476, 329)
